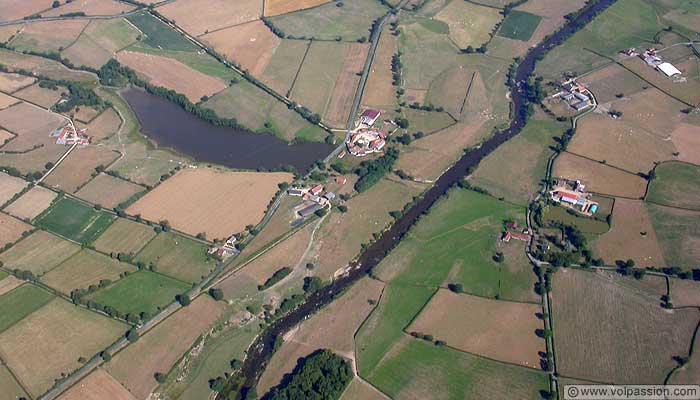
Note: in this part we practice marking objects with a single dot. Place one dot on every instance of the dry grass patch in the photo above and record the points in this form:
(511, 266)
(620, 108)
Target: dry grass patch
(79, 167)
(11, 229)
(379, 91)
(38, 253)
(343, 93)
(688, 91)
(687, 141)
(84, 269)
(612, 80)
(124, 236)
(9, 31)
(41, 96)
(318, 75)
(9, 283)
(470, 24)
(206, 200)
(43, 67)
(160, 348)
(500, 330)
(34, 160)
(91, 7)
(99, 385)
(359, 389)
(202, 16)
(32, 203)
(594, 319)
(10, 82)
(4, 136)
(11, 10)
(599, 178)
(10, 389)
(684, 293)
(103, 126)
(278, 7)
(10, 186)
(6, 101)
(31, 124)
(172, 74)
(108, 191)
(49, 36)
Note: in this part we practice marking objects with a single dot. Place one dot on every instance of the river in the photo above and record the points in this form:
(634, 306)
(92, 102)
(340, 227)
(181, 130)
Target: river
(170, 126)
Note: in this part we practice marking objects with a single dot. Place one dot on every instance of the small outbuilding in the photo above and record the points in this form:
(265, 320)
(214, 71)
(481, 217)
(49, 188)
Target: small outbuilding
(369, 116)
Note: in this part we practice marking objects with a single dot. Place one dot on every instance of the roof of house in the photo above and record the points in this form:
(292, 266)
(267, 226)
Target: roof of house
(668, 69)
(370, 113)
(341, 180)
(568, 196)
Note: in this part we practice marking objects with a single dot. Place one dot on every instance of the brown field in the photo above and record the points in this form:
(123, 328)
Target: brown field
(91, 7)
(31, 124)
(38, 253)
(103, 126)
(332, 328)
(62, 330)
(688, 91)
(108, 191)
(5, 135)
(500, 330)
(32, 203)
(84, 269)
(6, 101)
(611, 80)
(278, 7)
(203, 16)
(206, 200)
(38, 95)
(687, 141)
(685, 293)
(251, 45)
(598, 177)
(689, 373)
(84, 114)
(10, 389)
(99, 385)
(160, 348)
(594, 319)
(238, 286)
(11, 10)
(47, 36)
(12, 82)
(172, 74)
(9, 283)
(361, 390)
(450, 89)
(11, 229)
(35, 160)
(9, 186)
(318, 75)
(379, 91)
(8, 31)
(651, 110)
(79, 166)
(624, 240)
(346, 83)
(124, 236)
(415, 95)
(44, 67)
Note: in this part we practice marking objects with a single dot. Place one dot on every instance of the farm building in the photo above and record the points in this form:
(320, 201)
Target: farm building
(668, 69)
(517, 236)
(309, 209)
(366, 142)
(296, 192)
(68, 135)
(575, 199)
(316, 190)
(369, 116)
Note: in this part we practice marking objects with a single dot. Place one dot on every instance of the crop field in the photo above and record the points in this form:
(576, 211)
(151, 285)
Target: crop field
(32, 203)
(48, 36)
(9, 283)
(62, 330)
(469, 24)
(40, 252)
(278, 7)
(21, 302)
(343, 94)
(206, 200)
(108, 191)
(519, 25)
(202, 16)
(333, 328)
(86, 268)
(172, 74)
(6, 101)
(379, 90)
(687, 91)
(593, 318)
(43, 67)
(498, 330)
(11, 229)
(74, 220)
(158, 35)
(177, 256)
(9, 386)
(79, 166)
(284, 65)
(427, 122)
(41, 96)
(12, 82)
(90, 7)
(103, 126)
(556, 214)
(142, 291)
(450, 89)
(11, 10)
(99, 41)
(97, 386)
(612, 80)
(31, 124)
(685, 293)
(688, 373)
(158, 350)
(5, 136)
(677, 184)
(124, 236)
(9, 186)
(514, 171)
(678, 234)
(687, 143)
(599, 178)
(329, 22)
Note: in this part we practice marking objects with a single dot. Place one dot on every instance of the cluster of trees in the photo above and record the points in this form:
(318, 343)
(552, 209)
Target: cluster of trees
(321, 375)
(277, 31)
(426, 107)
(370, 172)
(396, 66)
(276, 277)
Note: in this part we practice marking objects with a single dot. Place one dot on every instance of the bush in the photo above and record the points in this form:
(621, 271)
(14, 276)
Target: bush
(276, 277)
(321, 375)
(216, 293)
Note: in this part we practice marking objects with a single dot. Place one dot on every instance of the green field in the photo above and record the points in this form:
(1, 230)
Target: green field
(159, 35)
(678, 233)
(586, 225)
(142, 291)
(519, 25)
(676, 184)
(74, 220)
(318, 74)
(427, 121)
(124, 236)
(3, 275)
(21, 302)
(180, 257)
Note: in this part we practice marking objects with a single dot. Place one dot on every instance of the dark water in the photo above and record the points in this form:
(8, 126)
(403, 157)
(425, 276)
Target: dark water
(261, 351)
(170, 126)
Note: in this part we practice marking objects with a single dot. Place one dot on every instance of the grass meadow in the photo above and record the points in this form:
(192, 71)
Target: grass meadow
(21, 302)
(177, 256)
(74, 220)
(677, 185)
(519, 25)
(159, 35)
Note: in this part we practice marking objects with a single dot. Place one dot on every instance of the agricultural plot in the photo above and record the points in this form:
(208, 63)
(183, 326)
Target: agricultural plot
(42, 96)
(210, 201)
(79, 167)
(103, 126)
(124, 236)
(143, 291)
(21, 302)
(348, 79)
(8, 32)
(379, 90)
(32, 203)
(6, 101)
(358, 389)
(17, 9)
(84, 269)
(10, 82)
(9, 283)
(278, 7)
(5, 136)
(48, 36)
(469, 24)
(519, 25)
(283, 66)
(555, 214)
(61, 329)
(43, 67)
(38, 253)
(108, 191)
(677, 185)
(678, 233)
(427, 122)
(9, 387)
(686, 91)
(74, 220)
(687, 142)
(599, 178)
(32, 126)
(177, 256)
(90, 7)
(97, 386)
(591, 318)
(11, 229)
(609, 82)
(197, 17)
(350, 22)
(684, 293)
(10, 186)
(99, 41)
(158, 35)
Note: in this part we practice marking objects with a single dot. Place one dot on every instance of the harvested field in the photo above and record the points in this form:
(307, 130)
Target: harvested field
(678, 233)
(172, 74)
(593, 318)
(499, 330)
(11, 229)
(684, 293)
(103, 126)
(333, 328)
(48, 36)
(124, 236)
(599, 178)
(178, 256)
(38, 253)
(99, 385)
(74, 220)
(343, 94)
(9, 388)
(631, 236)
(19, 303)
(319, 72)
(6, 101)
(42, 96)
(79, 166)
(86, 268)
(158, 350)
(284, 65)
(9, 283)
(84, 114)
(11, 10)
(91, 7)
(108, 191)
(12, 82)
(10, 186)
(210, 201)
(62, 330)
(202, 16)
(687, 142)
(469, 24)
(43, 66)
(34, 160)
(32, 126)
(278, 7)
(32, 203)
(677, 185)
(379, 90)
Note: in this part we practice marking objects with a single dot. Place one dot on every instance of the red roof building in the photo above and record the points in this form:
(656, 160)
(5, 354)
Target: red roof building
(316, 190)
(341, 180)
(369, 116)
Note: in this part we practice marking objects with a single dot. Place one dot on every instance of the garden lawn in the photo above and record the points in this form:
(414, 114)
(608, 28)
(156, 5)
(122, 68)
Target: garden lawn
(74, 220)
